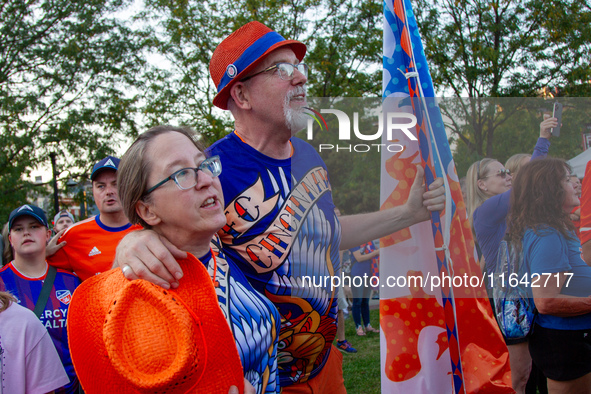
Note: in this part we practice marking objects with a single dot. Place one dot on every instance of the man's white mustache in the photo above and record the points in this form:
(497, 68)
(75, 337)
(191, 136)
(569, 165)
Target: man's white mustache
(295, 92)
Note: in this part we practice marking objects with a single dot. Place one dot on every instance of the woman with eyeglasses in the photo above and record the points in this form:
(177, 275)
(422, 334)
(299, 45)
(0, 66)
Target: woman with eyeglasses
(489, 191)
(489, 185)
(559, 280)
(167, 184)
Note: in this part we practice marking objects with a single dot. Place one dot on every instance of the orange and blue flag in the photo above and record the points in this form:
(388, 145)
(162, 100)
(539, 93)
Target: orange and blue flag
(438, 335)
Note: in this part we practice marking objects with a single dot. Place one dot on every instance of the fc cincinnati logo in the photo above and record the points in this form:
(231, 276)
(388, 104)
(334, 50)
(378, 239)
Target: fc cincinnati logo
(64, 296)
(231, 70)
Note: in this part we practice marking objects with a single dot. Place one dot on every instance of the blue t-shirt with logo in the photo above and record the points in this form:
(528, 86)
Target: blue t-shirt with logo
(281, 230)
(54, 317)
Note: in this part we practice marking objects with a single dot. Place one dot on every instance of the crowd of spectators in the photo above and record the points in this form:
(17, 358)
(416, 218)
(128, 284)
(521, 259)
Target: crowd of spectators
(211, 245)
(533, 201)
(201, 297)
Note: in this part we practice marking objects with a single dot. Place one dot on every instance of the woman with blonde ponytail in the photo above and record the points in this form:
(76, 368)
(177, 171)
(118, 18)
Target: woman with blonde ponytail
(489, 191)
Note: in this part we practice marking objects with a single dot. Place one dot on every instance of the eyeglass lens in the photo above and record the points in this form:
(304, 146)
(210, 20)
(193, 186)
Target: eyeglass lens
(286, 70)
(187, 178)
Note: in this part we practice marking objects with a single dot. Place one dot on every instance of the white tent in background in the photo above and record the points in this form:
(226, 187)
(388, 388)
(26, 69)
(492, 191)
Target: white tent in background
(578, 163)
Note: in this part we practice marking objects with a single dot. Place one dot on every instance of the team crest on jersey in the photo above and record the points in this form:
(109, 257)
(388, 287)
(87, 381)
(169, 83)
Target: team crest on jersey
(64, 296)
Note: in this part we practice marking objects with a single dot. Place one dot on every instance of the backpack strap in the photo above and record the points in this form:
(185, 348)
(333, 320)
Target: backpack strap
(44, 295)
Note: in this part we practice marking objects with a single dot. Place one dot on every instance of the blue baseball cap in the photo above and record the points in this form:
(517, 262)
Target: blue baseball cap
(108, 163)
(28, 210)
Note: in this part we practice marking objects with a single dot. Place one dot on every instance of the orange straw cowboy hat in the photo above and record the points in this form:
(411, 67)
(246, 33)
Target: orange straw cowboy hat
(241, 52)
(136, 337)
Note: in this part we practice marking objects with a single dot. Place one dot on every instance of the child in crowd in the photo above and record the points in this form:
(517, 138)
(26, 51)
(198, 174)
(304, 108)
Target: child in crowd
(29, 278)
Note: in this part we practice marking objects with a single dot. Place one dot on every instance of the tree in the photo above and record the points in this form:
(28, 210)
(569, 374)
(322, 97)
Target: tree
(518, 127)
(353, 164)
(504, 48)
(67, 76)
(346, 54)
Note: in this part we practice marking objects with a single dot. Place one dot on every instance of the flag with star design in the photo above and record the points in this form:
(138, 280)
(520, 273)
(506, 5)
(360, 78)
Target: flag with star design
(435, 337)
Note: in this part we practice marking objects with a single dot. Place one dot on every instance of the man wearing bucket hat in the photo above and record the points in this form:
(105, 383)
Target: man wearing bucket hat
(90, 244)
(280, 220)
(28, 277)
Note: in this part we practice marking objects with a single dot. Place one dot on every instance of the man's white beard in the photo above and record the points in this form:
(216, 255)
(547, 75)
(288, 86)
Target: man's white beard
(295, 119)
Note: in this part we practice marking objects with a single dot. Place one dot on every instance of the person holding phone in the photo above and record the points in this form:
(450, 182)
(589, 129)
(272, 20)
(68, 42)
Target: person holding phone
(557, 114)
(489, 191)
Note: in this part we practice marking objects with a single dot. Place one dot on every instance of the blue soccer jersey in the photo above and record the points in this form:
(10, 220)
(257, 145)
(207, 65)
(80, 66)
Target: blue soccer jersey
(27, 290)
(282, 231)
(253, 319)
(364, 267)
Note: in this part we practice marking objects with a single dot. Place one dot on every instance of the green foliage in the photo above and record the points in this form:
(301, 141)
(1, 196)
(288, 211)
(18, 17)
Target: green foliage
(180, 89)
(345, 50)
(66, 71)
(508, 48)
(517, 128)
(74, 77)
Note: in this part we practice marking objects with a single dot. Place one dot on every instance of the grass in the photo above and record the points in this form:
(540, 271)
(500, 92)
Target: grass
(361, 370)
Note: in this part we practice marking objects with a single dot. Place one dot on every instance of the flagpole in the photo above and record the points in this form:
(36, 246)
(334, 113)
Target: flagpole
(444, 261)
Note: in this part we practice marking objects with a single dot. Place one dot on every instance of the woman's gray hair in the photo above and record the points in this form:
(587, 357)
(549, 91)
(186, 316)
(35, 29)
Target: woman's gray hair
(135, 167)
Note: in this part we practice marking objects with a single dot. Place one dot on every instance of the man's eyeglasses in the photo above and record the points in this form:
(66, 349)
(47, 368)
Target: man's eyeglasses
(286, 70)
(186, 178)
(502, 173)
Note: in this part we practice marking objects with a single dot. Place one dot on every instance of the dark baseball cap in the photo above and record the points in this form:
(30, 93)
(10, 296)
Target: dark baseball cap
(28, 210)
(108, 163)
(64, 213)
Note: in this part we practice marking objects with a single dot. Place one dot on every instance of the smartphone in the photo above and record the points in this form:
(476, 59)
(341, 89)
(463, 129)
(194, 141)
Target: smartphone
(557, 113)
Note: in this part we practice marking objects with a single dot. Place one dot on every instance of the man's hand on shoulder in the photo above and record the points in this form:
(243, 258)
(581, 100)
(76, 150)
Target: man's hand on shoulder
(248, 388)
(53, 246)
(144, 254)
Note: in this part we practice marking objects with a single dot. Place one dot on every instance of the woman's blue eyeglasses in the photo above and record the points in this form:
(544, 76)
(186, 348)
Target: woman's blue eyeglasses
(186, 178)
